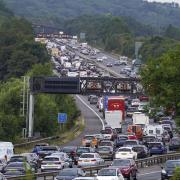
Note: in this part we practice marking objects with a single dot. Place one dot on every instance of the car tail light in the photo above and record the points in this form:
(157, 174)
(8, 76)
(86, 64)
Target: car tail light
(58, 163)
(93, 160)
(125, 169)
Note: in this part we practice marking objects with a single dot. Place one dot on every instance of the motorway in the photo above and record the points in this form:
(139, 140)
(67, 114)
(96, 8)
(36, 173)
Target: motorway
(94, 121)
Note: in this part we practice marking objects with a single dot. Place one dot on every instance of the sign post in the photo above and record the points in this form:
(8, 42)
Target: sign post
(62, 119)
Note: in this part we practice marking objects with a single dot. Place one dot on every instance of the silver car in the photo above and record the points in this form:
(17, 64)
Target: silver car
(90, 159)
(52, 163)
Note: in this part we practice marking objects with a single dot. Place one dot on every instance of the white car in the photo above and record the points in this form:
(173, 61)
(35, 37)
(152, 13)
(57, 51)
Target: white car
(85, 178)
(90, 159)
(110, 174)
(125, 153)
(104, 57)
(53, 163)
(135, 102)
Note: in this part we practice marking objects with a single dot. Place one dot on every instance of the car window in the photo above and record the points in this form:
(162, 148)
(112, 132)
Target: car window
(121, 162)
(124, 150)
(87, 156)
(51, 159)
(107, 172)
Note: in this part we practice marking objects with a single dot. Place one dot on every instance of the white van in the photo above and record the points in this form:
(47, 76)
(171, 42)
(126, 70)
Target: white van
(140, 119)
(6, 150)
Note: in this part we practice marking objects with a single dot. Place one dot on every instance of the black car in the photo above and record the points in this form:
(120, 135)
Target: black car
(174, 144)
(142, 151)
(47, 150)
(69, 174)
(70, 151)
(168, 169)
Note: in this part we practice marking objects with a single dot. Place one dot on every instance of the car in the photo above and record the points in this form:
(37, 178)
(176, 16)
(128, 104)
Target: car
(85, 178)
(53, 163)
(109, 65)
(144, 98)
(174, 144)
(168, 169)
(125, 153)
(127, 167)
(142, 151)
(108, 133)
(99, 137)
(157, 148)
(37, 147)
(89, 141)
(17, 166)
(135, 102)
(47, 150)
(13, 173)
(99, 60)
(130, 111)
(69, 174)
(121, 139)
(90, 159)
(18, 158)
(94, 100)
(81, 150)
(110, 174)
(106, 143)
(89, 97)
(65, 158)
(147, 139)
(2, 177)
(32, 159)
(117, 63)
(2, 163)
(70, 151)
(131, 143)
(106, 152)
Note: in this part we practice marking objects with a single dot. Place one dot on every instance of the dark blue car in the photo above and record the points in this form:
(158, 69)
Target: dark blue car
(121, 139)
(157, 148)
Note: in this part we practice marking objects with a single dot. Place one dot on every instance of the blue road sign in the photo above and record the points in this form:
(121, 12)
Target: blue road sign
(62, 118)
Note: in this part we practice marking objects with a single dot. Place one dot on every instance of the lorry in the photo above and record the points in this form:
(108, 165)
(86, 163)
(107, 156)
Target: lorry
(115, 103)
(140, 119)
(114, 119)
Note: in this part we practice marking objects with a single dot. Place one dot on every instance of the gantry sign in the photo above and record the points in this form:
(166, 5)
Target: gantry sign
(85, 85)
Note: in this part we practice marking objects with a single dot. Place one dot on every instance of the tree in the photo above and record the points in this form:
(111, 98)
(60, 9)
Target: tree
(161, 79)
(176, 175)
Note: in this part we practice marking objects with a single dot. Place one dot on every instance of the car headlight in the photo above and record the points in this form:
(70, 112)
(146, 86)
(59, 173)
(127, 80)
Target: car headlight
(163, 171)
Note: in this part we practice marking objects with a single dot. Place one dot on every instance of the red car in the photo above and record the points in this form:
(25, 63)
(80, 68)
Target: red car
(127, 167)
(144, 98)
(132, 137)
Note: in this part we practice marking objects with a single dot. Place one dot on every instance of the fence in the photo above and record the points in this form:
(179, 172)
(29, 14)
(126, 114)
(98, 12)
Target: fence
(141, 163)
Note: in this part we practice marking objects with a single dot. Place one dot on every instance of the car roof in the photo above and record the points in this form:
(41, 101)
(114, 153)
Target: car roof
(126, 147)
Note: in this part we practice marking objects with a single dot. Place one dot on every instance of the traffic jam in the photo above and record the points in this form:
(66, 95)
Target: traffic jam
(132, 128)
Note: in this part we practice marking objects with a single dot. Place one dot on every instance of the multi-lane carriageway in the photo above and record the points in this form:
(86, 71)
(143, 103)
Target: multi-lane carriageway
(94, 120)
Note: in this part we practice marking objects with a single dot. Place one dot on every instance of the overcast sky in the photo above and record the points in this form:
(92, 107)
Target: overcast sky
(177, 1)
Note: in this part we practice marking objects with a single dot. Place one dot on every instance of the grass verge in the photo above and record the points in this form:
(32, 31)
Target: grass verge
(64, 138)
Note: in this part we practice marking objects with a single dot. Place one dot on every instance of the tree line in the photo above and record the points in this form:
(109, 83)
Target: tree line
(20, 55)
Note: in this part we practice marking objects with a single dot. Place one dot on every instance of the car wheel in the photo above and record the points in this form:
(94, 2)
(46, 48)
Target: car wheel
(129, 178)
(135, 177)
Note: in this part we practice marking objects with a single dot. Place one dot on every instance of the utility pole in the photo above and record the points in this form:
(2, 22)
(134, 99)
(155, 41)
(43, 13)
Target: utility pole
(31, 115)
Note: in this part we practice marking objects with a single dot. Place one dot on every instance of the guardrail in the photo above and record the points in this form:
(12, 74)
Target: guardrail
(141, 163)
(30, 143)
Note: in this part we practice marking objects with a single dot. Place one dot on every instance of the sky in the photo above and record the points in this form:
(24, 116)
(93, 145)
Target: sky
(177, 1)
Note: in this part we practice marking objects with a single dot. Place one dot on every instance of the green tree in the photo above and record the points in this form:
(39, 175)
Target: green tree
(161, 79)
(176, 175)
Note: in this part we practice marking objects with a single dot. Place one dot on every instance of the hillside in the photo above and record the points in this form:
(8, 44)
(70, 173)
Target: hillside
(55, 11)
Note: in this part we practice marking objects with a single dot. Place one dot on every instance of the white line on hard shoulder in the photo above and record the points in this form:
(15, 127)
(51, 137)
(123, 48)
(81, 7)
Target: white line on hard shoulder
(149, 173)
(91, 110)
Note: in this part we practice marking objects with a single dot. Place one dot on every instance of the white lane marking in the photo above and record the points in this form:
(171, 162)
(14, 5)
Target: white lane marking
(149, 173)
(91, 110)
